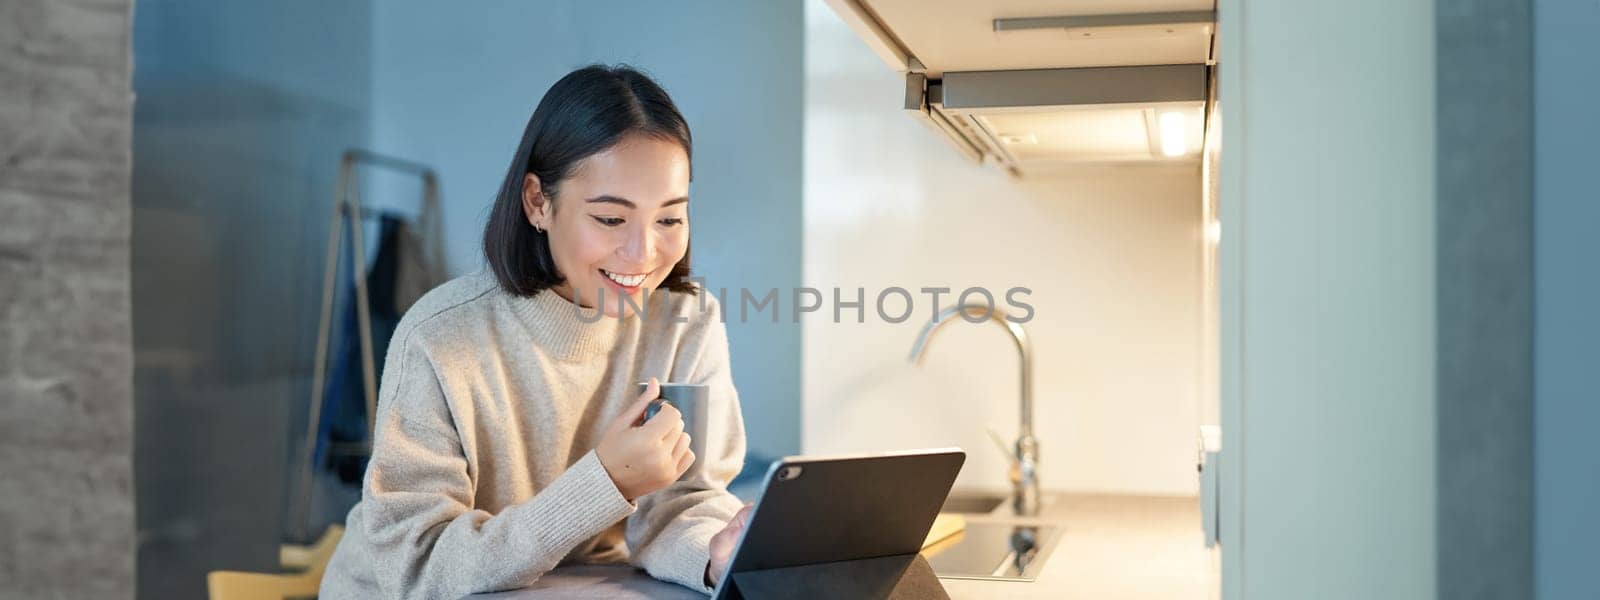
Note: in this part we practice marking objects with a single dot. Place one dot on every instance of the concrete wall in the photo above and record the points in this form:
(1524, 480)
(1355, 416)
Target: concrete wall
(1112, 255)
(454, 88)
(1484, 232)
(66, 361)
(1328, 299)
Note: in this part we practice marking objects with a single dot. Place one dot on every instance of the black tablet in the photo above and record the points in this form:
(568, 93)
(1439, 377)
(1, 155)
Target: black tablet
(815, 510)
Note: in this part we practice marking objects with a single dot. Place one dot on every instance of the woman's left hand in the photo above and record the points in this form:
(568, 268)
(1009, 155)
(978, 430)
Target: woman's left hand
(722, 546)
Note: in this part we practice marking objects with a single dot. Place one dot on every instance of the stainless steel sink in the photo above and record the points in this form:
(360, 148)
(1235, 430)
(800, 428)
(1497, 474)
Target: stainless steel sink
(972, 503)
(994, 551)
(996, 545)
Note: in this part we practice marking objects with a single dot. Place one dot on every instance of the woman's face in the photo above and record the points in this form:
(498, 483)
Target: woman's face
(619, 223)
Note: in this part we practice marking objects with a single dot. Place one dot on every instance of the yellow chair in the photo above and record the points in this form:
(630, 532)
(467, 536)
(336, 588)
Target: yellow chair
(292, 557)
(240, 585)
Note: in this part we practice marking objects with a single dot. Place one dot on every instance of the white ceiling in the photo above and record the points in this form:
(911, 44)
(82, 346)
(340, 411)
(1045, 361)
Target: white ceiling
(958, 35)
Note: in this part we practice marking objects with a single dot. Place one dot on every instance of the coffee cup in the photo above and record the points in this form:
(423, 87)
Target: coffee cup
(691, 400)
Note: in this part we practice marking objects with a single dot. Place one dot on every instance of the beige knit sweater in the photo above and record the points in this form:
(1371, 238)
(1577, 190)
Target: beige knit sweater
(483, 474)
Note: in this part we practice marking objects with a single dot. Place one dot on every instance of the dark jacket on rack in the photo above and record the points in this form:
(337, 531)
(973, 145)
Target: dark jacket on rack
(401, 273)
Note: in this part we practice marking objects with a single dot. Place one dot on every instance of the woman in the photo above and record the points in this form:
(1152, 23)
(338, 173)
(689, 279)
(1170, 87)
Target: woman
(507, 434)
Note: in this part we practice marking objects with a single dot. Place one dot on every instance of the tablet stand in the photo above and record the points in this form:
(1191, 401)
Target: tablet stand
(899, 577)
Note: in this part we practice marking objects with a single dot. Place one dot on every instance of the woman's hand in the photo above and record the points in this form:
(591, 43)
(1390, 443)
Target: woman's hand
(722, 546)
(647, 458)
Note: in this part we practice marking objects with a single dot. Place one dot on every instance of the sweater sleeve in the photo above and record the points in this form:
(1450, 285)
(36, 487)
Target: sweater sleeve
(423, 535)
(669, 537)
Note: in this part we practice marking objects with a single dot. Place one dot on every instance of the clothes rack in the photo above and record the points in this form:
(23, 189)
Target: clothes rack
(348, 212)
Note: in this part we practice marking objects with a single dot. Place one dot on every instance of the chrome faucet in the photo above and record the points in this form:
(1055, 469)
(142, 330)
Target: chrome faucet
(1025, 464)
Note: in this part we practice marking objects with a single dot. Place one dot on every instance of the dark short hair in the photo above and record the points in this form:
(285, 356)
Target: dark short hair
(586, 112)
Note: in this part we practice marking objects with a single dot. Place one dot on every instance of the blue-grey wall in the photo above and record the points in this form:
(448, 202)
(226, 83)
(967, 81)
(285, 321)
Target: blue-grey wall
(454, 88)
(242, 111)
(1567, 298)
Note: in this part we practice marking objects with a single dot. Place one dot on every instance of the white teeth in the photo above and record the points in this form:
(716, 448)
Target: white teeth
(624, 280)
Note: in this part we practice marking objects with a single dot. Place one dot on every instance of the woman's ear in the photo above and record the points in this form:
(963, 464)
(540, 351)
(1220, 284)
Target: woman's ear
(534, 202)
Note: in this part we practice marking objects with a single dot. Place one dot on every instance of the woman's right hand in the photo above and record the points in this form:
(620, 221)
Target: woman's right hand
(647, 458)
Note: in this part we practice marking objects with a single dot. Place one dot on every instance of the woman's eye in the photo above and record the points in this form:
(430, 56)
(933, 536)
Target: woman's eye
(671, 221)
(609, 221)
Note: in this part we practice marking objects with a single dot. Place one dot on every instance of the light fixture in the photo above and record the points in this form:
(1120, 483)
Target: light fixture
(1172, 134)
(1013, 139)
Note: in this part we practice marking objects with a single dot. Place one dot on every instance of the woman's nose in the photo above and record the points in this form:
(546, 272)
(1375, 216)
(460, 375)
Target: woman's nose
(640, 247)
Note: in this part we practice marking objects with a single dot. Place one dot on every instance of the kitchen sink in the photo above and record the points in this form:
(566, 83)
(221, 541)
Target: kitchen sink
(972, 503)
(994, 551)
(995, 545)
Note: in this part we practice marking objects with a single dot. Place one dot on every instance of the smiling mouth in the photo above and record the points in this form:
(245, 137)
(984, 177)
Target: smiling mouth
(627, 281)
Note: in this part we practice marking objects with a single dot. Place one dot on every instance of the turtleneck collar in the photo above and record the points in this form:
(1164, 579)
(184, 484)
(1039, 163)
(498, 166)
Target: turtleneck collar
(557, 326)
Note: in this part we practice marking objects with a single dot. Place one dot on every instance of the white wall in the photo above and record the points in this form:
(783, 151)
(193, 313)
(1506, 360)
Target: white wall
(1328, 299)
(1111, 254)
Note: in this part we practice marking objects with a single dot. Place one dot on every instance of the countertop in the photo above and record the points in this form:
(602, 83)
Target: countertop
(1112, 546)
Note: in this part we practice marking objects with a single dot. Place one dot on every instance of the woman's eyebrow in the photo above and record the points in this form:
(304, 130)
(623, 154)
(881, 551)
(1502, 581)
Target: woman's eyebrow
(609, 199)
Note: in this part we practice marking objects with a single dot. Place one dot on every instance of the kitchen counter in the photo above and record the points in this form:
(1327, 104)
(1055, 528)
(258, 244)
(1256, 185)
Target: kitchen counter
(1127, 547)
(1111, 546)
